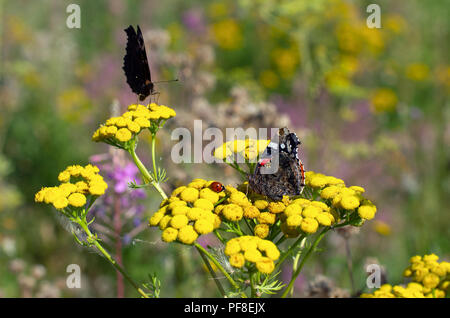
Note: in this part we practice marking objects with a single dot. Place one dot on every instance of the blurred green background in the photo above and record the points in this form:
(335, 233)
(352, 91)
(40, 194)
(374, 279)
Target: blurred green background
(371, 106)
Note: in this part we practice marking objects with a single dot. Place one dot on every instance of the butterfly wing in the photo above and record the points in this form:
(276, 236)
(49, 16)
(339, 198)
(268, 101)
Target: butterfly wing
(285, 181)
(143, 56)
(289, 178)
(135, 64)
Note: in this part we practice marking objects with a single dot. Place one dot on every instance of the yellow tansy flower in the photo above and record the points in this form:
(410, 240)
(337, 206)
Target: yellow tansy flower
(169, 234)
(262, 230)
(123, 135)
(77, 199)
(202, 226)
(187, 234)
(189, 194)
(237, 260)
(251, 212)
(276, 207)
(265, 265)
(233, 212)
(309, 225)
(179, 221)
(60, 202)
(204, 204)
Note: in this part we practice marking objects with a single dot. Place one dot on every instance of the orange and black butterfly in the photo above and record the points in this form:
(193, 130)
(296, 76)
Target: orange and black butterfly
(135, 64)
(289, 178)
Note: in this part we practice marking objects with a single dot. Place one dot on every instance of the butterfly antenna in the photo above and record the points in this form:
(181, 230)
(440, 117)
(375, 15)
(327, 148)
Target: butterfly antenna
(172, 80)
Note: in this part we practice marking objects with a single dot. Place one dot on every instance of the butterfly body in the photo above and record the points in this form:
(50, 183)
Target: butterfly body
(289, 178)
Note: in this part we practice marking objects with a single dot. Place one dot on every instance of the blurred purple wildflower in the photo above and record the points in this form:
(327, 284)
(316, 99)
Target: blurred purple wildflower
(123, 176)
(194, 20)
(286, 275)
(119, 173)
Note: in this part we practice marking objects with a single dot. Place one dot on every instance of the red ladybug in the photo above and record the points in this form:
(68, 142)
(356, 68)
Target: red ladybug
(217, 187)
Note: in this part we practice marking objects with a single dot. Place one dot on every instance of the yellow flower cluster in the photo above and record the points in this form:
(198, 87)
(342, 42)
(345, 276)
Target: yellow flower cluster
(253, 249)
(295, 215)
(334, 191)
(319, 181)
(250, 149)
(353, 40)
(119, 130)
(77, 183)
(188, 212)
(238, 205)
(430, 279)
(429, 272)
(412, 290)
(306, 216)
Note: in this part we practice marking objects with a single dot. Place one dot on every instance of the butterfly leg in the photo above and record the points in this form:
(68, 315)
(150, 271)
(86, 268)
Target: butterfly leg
(156, 98)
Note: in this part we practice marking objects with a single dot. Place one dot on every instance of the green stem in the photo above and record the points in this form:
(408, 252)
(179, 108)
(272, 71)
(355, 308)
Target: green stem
(249, 227)
(224, 272)
(280, 240)
(236, 166)
(219, 236)
(294, 268)
(92, 238)
(297, 271)
(154, 154)
(300, 240)
(252, 284)
(146, 174)
(211, 271)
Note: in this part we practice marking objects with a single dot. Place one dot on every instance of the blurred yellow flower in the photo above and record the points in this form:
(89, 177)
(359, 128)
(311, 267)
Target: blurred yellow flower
(417, 72)
(73, 102)
(373, 39)
(218, 9)
(395, 23)
(175, 32)
(18, 30)
(269, 79)
(32, 78)
(337, 81)
(83, 71)
(227, 34)
(286, 60)
(383, 100)
(349, 38)
(443, 75)
(382, 228)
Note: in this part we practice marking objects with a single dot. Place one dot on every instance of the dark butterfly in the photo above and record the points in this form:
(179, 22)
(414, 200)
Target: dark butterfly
(135, 64)
(288, 178)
